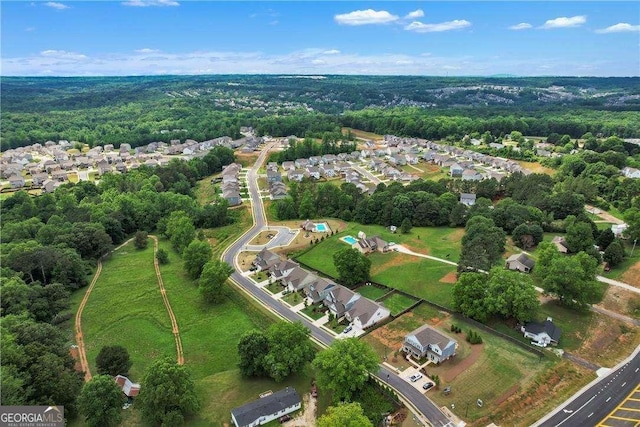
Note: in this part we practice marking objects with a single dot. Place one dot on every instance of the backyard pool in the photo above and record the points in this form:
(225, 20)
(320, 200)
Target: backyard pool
(349, 239)
(323, 227)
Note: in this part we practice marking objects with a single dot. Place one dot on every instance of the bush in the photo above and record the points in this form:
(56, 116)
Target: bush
(141, 240)
(455, 328)
(162, 256)
(473, 337)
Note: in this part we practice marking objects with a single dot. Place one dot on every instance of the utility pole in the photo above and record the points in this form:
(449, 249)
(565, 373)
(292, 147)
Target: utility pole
(634, 246)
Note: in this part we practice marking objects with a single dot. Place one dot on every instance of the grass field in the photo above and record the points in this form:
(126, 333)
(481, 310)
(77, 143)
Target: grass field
(126, 308)
(397, 303)
(362, 134)
(371, 292)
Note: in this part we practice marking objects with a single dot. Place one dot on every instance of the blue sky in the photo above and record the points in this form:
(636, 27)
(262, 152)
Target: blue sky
(135, 37)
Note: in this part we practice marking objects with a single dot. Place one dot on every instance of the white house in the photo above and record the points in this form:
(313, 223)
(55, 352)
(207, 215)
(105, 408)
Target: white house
(365, 313)
(427, 341)
(542, 333)
(266, 409)
(619, 229)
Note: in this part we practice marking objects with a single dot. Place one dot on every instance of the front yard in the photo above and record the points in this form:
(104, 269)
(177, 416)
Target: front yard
(314, 311)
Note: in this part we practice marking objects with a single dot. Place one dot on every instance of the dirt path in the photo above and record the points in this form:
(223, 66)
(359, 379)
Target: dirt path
(81, 353)
(603, 214)
(307, 418)
(163, 292)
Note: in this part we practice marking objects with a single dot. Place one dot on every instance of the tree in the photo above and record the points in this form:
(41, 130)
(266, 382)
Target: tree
(614, 253)
(344, 367)
(210, 284)
(162, 256)
(113, 360)
(252, 348)
(469, 295)
(289, 349)
(195, 256)
(344, 415)
(352, 266)
(632, 218)
(511, 294)
(482, 245)
(180, 230)
(141, 240)
(605, 238)
(168, 395)
(100, 402)
(579, 237)
(405, 227)
(572, 280)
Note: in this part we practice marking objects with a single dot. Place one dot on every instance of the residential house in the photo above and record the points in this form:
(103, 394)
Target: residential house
(273, 176)
(308, 225)
(39, 178)
(315, 160)
(475, 142)
(298, 279)
(426, 341)
(631, 172)
(103, 167)
(265, 259)
(398, 159)
(412, 159)
(267, 408)
(468, 199)
(318, 290)
(313, 172)
(272, 166)
(278, 191)
(619, 229)
(455, 170)
(49, 186)
(328, 158)
(365, 313)
(296, 174)
(301, 163)
(496, 145)
(521, 262)
(371, 244)
(59, 175)
(542, 333)
(287, 166)
(129, 388)
(329, 171)
(231, 193)
(471, 175)
(16, 181)
(561, 244)
(282, 269)
(339, 300)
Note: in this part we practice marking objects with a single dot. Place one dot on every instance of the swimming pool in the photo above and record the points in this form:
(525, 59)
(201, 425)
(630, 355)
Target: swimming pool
(349, 239)
(322, 227)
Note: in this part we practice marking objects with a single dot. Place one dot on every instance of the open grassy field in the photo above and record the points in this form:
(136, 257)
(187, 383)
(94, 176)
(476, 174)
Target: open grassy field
(536, 167)
(126, 308)
(371, 292)
(220, 238)
(397, 302)
(362, 134)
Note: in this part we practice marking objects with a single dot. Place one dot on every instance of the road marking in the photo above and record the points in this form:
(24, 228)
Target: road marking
(623, 384)
(576, 411)
(589, 416)
(637, 369)
(608, 399)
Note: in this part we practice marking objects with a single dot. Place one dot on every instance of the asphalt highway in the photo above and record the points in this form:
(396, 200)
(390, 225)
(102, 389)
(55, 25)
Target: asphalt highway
(596, 402)
(419, 401)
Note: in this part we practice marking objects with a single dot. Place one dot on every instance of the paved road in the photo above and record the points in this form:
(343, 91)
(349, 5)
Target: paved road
(618, 284)
(417, 399)
(599, 398)
(366, 173)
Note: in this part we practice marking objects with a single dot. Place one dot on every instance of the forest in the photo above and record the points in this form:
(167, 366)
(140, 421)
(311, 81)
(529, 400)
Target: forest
(139, 110)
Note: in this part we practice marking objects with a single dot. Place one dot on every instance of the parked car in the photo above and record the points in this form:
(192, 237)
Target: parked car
(415, 377)
(284, 418)
(347, 329)
(427, 386)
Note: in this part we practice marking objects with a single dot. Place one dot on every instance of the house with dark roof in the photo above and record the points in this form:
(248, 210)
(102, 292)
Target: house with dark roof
(266, 259)
(277, 191)
(282, 269)
(426, 341)
(542, 333)
(318, 290)
(561, 244)
(521, 262)
(339, 300)
(267, 408)
(298, 279)
(371, 244)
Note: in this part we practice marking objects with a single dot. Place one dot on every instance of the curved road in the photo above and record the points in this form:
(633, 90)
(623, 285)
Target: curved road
(408, 393)
(592, 404)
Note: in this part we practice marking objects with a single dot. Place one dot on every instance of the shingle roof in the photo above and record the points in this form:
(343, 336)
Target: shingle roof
(285, 398)
(548, 326)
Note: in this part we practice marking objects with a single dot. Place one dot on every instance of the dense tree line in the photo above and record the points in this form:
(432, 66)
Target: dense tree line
(49, 244)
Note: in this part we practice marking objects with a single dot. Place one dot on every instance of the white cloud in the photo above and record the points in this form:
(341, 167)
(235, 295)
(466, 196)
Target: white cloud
(564, 22)
(418, 13)
(63, 54)
(364, 17)
(148, 3)
(520, 26)
(56, 5)
(146, 50)
(419, 27)
(621, 27)
(331, 52)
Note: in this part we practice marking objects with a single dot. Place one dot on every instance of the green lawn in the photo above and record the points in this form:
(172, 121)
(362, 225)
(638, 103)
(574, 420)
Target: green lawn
(274, 287)
(126, 308)
(310, 311)
(371, 292)
(293, 298)
(397, 303)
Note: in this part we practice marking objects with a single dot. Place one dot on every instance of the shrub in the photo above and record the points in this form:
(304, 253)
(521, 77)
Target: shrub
(473, 337)
(162, 256)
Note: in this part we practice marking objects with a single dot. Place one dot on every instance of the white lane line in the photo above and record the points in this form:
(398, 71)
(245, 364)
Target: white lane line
(574, 412)
(623, 384)
(608, 399)
(637, 369)
(589, 416)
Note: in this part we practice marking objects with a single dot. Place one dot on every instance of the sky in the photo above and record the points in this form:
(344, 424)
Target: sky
(454, 38)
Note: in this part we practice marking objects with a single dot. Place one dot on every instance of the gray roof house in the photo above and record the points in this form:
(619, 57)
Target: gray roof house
(471, 175)
(298, 279)
(282, 269)
(521, 262)
(266, 259)
(468, 199)
(339, 300)
(371, 244)
(427, 341)
(542, 333)
(278, 191)
(273, 176)
(318, 290)
(364, 313)
(267, 408)
(16, 181)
